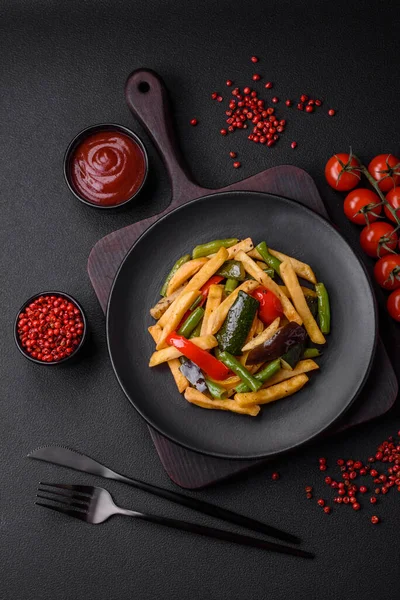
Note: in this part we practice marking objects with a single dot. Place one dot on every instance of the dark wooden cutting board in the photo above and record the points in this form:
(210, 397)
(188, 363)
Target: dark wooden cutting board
(147, 98)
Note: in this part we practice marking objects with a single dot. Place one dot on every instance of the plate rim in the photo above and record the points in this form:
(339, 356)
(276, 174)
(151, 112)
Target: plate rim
(258, 456)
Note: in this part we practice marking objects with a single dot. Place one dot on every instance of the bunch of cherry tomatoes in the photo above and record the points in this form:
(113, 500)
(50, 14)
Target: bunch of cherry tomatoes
(363, 206)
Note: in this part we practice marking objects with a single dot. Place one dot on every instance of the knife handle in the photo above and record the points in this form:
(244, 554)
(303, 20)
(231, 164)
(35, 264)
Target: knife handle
(209, 509)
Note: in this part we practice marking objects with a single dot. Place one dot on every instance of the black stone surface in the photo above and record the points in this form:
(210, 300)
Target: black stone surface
(63, 67)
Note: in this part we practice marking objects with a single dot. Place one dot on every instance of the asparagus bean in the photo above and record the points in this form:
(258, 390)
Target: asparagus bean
(262, 376)
(191, 322)
(324, 311)
(213, 247)
(181, 261)
(271, 261)
(239, 370)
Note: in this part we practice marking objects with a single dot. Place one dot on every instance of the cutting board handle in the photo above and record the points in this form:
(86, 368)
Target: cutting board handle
(147, 99)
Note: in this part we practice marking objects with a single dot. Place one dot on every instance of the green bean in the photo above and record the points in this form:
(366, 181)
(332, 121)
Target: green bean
(271, 261)
(311, 353)
(216, 391)
(212, 247)
(181, 261)
(324, 311)
(196, 302)
(196, 331)
(239, 370)
(230, 286)
(270, 272)
(191, 322)
(262, 376)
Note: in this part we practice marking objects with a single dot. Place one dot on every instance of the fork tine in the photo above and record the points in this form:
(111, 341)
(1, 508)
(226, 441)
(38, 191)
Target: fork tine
(65, 494)
(73, 502)
(72, 513)
(83, 489)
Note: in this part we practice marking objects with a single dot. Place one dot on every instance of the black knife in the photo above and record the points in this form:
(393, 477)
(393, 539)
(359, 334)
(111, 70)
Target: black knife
(74, 460)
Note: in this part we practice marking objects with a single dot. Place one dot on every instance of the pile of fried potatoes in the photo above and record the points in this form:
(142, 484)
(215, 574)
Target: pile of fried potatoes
(184, 289)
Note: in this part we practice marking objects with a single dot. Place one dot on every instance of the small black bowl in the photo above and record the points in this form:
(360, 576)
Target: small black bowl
(77, 349)
(83, 135)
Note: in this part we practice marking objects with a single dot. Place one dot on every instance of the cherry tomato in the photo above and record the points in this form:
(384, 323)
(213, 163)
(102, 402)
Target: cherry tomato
(363, 200)
(393, 197)
(338, 177)
(270, 305)
(371, 235)
(393, 305)
(381, 169)
(387, 272)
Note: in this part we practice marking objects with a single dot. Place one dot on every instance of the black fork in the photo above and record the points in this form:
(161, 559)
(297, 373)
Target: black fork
(95, 505)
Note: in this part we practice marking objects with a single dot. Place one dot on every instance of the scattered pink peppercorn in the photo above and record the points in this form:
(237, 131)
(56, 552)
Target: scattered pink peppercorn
(375, 520)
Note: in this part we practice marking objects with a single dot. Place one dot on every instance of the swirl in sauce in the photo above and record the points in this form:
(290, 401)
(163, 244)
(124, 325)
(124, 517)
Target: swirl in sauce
(108, 168)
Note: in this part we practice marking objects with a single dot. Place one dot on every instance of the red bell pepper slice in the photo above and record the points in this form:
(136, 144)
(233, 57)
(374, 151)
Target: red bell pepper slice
(202, 298)
(270, 305)
(214, 280)
(203, 359)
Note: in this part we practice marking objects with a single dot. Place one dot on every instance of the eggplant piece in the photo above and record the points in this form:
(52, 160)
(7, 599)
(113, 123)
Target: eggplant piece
(292, 357)
(193, 374)
(284, 339)
(312, 305)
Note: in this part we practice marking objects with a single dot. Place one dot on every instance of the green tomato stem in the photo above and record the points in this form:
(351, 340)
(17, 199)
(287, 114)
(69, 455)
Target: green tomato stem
(375, 184)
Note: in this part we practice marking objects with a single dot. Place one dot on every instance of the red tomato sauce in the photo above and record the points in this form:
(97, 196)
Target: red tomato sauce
(108, 168)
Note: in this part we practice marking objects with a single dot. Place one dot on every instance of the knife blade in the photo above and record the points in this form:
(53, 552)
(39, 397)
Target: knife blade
(65, 457)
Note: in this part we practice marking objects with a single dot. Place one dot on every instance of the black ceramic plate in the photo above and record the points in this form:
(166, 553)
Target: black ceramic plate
(283, 425)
